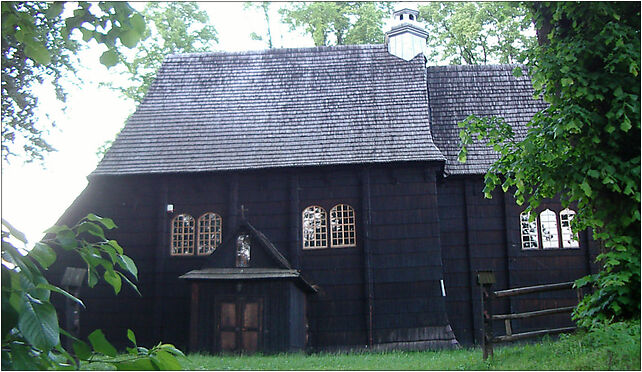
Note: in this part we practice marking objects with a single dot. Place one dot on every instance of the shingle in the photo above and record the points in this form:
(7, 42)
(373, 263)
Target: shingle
(277, 108)
(455, 92)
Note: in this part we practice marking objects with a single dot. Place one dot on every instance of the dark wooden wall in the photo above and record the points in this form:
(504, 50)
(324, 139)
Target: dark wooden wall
(412, 231)
(133, 203)
(406, 256)
(484, 234)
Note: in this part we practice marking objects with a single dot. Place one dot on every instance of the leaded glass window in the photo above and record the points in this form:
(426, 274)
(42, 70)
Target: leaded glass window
(209, 233)
(342, 226)
(569, 239)
(548, 225)
(530, 238)
(182, 239)
(315, 227)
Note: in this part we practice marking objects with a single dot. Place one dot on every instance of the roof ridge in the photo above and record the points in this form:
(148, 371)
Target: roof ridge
(275, 51)
(503, 66)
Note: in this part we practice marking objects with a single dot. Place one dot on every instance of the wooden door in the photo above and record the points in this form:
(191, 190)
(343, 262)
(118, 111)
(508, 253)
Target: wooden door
(239, 325)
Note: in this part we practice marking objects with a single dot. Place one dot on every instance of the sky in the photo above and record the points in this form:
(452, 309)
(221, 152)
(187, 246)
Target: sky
(35, 196)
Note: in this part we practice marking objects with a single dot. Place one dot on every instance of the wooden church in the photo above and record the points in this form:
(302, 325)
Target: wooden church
(311, 199)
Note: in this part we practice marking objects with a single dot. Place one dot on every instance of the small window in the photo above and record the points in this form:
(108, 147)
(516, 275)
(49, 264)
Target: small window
(182, 235)
(209, 233)
(401, 17)
(530, 238)
(315, 228)
(569, 239)
(342, 226)
(412, 17)
(243, 250)
(548, 224)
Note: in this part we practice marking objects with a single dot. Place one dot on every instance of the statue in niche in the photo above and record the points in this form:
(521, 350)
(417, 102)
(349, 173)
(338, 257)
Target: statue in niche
(243, 250)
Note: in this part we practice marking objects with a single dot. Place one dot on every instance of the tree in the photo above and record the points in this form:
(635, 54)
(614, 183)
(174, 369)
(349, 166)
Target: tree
(173, 27)
(264, 6)
(39, 46)
(338, 22)
(476, 32)
(30, 328)
(585, 147)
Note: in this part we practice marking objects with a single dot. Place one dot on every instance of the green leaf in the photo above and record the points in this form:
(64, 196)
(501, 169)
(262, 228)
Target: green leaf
(38, 53)
(56, 289)
(167, 361)
(38, 323)
(586, 188)
(131, 336)
(86, 34)
(14, 232)
(112, 278)
(91, 228)
(100, 343)
(137, 365)
(626, 124)
(43, 254)
(109, 58)
(116, 246)
(566, 82)
(82, 350)
(171, 349)
(9, 314)
(129, 38)
(138, 23)
(129, 282)
(21, 358)
(128, 264)
(517, 72)
(108, 223)
(54, 10)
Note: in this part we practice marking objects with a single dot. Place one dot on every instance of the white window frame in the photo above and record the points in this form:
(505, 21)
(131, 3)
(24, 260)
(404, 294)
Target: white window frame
(569, 239)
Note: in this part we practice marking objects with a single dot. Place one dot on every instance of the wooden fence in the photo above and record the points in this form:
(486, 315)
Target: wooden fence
(485, 281)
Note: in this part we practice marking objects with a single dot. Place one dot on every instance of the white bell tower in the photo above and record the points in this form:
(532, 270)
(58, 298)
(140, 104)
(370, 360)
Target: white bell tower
(407, 37)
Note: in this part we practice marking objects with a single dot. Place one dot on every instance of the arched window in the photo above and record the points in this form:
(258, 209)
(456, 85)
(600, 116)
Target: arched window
(548, 225)
(315, 228)
(209, 233)
(342, 226)
(569, 240)
(530, 237)
(182, 235)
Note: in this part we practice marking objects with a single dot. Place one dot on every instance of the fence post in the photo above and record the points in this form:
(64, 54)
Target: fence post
(485, 279)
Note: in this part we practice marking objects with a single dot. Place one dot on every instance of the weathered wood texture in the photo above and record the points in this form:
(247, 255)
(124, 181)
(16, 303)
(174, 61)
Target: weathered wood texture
(483, 234)
(419, 231)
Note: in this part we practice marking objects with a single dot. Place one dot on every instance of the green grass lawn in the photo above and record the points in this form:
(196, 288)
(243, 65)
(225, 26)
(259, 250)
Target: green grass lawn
(616, 347)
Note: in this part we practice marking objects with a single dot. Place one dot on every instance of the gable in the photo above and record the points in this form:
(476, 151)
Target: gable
(277, 108)
(262, 252)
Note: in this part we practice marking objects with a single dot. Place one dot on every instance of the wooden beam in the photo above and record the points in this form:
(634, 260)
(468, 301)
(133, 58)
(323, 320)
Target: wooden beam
(519, 336)
(535, 288)
(531, 314)
(162, 251)
(365, 223)
(194, 307)
(295, 222)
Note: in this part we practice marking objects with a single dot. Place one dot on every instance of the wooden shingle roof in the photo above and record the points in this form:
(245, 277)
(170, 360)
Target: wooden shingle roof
(277, 108)
(455, 92)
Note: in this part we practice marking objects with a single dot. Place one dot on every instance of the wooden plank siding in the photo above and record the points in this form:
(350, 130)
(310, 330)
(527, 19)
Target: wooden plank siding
(419, 231)
(484, 234)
